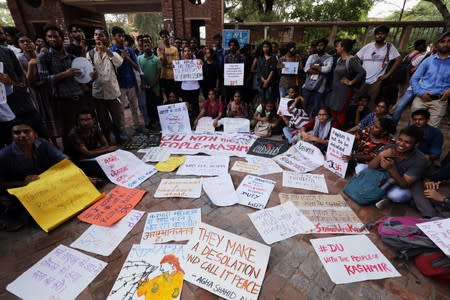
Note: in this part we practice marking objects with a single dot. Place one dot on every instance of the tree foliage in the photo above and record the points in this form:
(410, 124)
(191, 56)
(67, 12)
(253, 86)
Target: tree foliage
(5, 15)
(424, 10)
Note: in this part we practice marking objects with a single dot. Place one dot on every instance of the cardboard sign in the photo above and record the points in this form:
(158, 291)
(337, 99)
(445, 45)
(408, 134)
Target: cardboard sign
(242, 35)
(205, 125)
(329, 213)
(183, 188)
(174, 119)
(113, 207)
(266, 165)
(62, 274)
(204, 166)
(124, 168)
(340, 144)
(280, 222)
(142, 141)
(236, 125)
(233, 74)
(42, 197)
(246, 167)
(151, 272)
(156, 154)
(103, 240)
(352, 258)
(175, 225)
(255, 191)
(220, 190)
(228, 265)
(283, 107)
(290, 68)
(187, 69)
(439, 232)
(268, 148)
(312, 182)
(298, 161)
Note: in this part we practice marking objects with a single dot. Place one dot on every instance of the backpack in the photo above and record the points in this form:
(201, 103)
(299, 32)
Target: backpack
(365, 188)
(434, 264)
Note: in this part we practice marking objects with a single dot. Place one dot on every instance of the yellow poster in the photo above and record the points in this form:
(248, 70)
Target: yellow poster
(60, 192)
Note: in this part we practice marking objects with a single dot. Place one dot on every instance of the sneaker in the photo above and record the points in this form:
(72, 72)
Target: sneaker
(382, 203)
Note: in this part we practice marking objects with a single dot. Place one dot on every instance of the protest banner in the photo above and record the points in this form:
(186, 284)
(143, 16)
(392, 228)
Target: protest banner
(166, 226)
(205, 125)
(246, 167)
(266, 165)
(213, 144)
(339, 145)
(124, 168)
(236, 125)
(329, 213)
(103, 240)
(151, 272)
(233, 74)
(312, 182)
(43, 197)
(228, 265)
(183, 187)
(113, 207)
(255, 191)
(280, 222)
(352, 258)
(142, 141)
(62, 274)
(283, 107)
(187, 69)
(220, 190)
(302, 157)
(242, 35)
(174, 119)
(268, 148)
(290, 68)
(156, 154)
(204, 166)
(439, 232)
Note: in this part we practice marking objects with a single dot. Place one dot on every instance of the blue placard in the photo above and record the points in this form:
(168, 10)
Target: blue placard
(243, 36)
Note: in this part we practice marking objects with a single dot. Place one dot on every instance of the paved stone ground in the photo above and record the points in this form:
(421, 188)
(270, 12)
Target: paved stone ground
(294, 270)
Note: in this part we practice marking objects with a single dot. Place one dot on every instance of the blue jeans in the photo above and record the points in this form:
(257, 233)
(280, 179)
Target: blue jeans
(292, 139)
(313, 101)
(406, 99)
(142, 101)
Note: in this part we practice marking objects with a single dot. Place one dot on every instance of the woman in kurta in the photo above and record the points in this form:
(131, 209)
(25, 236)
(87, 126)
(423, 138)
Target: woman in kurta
(211, 107)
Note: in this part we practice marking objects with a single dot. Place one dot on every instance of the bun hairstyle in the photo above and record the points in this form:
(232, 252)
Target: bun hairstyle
(347, 44)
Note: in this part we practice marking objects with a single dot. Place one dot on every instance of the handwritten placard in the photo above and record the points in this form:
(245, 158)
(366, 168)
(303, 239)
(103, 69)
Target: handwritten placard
(204, 166)
(268, 148)
(236, 125)
(187, 69)
(255, 191)
(266, 165)
(290, 68)
(174, 119)
(156, 154)
(142, 141)
(124, 168)
(62, 274)
(296, 161)
(228, 265)
(205, 125)
(352, 258)
(103, 240)
(233, 74)
(43, 197)
(283, 107)
(329, 213)
(151, 272)
(113, 207)
(175, 225)
(246, 167)
(310, 152)
(439, 232)
(280, 222)
(183, 188)
(220, 190)
(312, 182)
(340, 144)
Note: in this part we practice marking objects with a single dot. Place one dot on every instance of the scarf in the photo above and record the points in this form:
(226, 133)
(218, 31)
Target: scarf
(322, 131)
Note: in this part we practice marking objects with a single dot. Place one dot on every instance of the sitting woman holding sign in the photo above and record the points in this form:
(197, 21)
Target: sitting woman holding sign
(317, 130)
(211, 107)
(298, 118)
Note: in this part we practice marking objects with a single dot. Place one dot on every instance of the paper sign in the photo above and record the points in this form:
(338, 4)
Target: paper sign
(3, 98)
(266, 165)
(103, 240)
(233, 74)
(156, 154)
(236, 125)
(280, 222)
(310, 152)
(150, 272)
(204, 166)
(246, 167)
(183, 188)
(228, 265)
(283, 107)
(60, 192)
(171, 164)
(124, 168)
(290, 68)
(205, 125)
(187, 69)
(312, 182)
(174, 119)
(439, 232)
(329, 213)
(297, 161)
(340, 144)
(220, 190)
(142, 141)
(268, 148)
(175, 225)
(255, 191)
(352, 258)
(113, 207)
(62, 274)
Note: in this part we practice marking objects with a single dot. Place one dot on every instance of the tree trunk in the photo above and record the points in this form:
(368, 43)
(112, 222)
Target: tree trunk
(269, 5)
(443, 10)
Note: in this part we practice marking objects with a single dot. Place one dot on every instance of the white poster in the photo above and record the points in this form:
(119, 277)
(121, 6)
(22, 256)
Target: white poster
(204, 166)
(302, 157)
(233, 74)
(124, 168)
(220, 190)
(266, 165)
(352, 258)
(62, 274)
(255, 191)
(283, 107)
(236, 125)
(104, 239)
(205, 125)
(290, 68)
(340, 144)
(439, 232)
(151, 272)
(312, 182)
(280, 222)
(181, 187)
(3, 98)
(174, 119)
(310, 152)
(156, 154)
(187, 69)
(223, 263)
(246, 167)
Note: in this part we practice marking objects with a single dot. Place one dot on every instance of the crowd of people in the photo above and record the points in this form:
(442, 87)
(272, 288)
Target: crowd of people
(46, 102)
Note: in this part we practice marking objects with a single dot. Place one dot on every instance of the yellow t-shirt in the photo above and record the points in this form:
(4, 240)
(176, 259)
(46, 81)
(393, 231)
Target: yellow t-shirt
(170, 54)
(164, 286)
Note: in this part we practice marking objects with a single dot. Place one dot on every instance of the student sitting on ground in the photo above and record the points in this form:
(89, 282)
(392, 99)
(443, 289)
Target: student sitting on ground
(317, 130)
(296, 121)
(266, 112)
(381, 111)
(236, 108)
(431, 142)
(211, 107)
(356, 112)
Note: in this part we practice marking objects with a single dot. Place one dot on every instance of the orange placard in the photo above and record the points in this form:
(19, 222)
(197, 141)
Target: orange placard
(113, 207)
